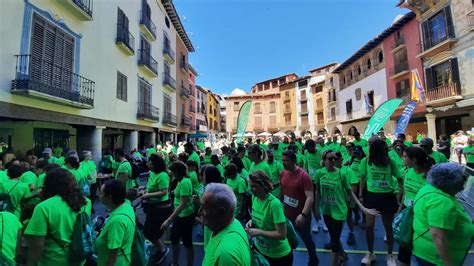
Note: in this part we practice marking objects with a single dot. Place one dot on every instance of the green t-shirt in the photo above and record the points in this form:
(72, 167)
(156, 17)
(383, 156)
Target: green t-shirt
(184, 188)
(52, 159)
(118, 233)
(9, 225)
(362, 142)
(439, 157)
(40, 181)
(247, 163)
(263, 166)
(207, 159)
(275, 169)
(17, 191)
(197, 186)
(350, 175)
(150, 151)
(265, 214)
(322, 148)
(28, 178)
(398, 160)
(229, 247)
(90, 170)
(443, 211)
(225, 160)
(54, 220)
(60, 160)
(355, 167)
(300, 159)
(470, 157)
(126, 167)
(195, 157)
(115, 166)
(412, 183)
(333, 193)
(200, 145)
(277, 154)
(221, 170)
(158, 182)
(78, 174)
(312, 162)
(408, 143)
(3, 176)
(239, 187)
(379, 179)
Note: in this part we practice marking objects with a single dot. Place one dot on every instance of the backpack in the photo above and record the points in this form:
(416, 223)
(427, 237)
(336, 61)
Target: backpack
(82, 239)
(6, 203)
(85, 186)
(141, 248)
(403, 226)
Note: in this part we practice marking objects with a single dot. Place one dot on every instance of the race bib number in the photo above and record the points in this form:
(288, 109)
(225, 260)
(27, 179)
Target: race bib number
(261, 242)
(331, 200)
(381, 184)
(290, 201)
(311, 172)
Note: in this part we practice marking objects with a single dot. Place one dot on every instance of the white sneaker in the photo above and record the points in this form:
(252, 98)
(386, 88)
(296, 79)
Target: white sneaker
(391, 261)
(368, 259)
(315, 228)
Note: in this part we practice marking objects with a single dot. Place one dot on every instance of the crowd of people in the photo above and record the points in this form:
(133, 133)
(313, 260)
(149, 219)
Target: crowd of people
(251, 199)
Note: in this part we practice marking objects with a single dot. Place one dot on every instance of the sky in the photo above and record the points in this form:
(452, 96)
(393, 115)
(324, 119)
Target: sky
(241, 42)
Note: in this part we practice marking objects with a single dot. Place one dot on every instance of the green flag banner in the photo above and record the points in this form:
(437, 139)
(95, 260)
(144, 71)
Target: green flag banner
(381, 116)
(243, 119)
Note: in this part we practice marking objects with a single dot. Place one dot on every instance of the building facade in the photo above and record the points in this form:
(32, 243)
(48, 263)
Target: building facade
(183, 91)
(212, 112)
(88, 76)
(446, 48)
(201, 102)
(192, 74)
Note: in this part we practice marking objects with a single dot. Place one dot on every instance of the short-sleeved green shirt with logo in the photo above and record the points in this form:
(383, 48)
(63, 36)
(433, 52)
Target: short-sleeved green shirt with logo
(90, 170)
(126, 167)
(412, 183)
(379, 179)
(150, 151)
(158, 182)
(197, 186)
(262, 166)
(118, 233)
(355, 167)
(207, 159)
(277, 153)
(439, 157)
(398, 160)
(265, 214)
(9, 226)
(275, 168)
(229, 247)
(247, 163)
(225, 160)
(60, 160)
(312, 162)
(221, 169)
(54, 220)
(362, 142)
(17, 191)
(239, 187)
(40, 181)
(333, 188)
(443, 211)
(28, 178)
(470, 157)
(184, 188)
(3, 176)
(408, 143)
(195, 157)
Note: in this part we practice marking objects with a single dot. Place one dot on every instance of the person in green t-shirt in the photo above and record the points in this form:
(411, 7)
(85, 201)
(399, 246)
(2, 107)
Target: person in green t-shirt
(189, 149)
(276, 151)
(124, 169)
(469, 153)
(217, 163)
(239, 187)
(442, 229)
(402, 137)
(427, 145)
(333, 191)
(275, 169)
(72, 164)
(158, 205)
(28, 177)
(312, 158)
(10, 226)
(150, 151)
(89, 168)
(418, 163)
(207, 156)
(241, 153)
(227, 242)
(195, 179)
(114, 244)
(258, 158)
(50, 228)
(225, 158)
(183, 214)
(16, 189)
(268, 224)
(376, 174)
(360, 141)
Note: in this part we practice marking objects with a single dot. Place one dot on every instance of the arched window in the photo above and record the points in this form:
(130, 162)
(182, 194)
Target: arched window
(350, 74)
(369, 63)
(359, 70)
(380, 56)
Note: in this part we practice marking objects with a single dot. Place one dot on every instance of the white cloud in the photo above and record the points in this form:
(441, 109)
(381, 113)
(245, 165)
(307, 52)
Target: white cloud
(237, 92)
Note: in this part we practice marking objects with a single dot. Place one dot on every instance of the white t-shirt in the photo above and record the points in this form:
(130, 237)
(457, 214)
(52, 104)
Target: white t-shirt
(460, 141)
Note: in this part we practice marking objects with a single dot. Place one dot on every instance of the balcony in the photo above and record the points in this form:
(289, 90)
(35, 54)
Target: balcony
(125, 40)
(332, 97)
(168, 54)
(398, 44)
(147, 26)
(40, 79)
(184, 92)
(185, 121)
(183, 65)
(401, 68)
(82, 9)
(169, 119)
(148, 112)
(437, 42)
(168, 82)
(147, 64)
(442, 95)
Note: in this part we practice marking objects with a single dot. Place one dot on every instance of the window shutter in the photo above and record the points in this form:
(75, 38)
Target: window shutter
(449, 22)
(425, 28)
(37, 40)
(119, 86)
(455, 72)
(429, 78)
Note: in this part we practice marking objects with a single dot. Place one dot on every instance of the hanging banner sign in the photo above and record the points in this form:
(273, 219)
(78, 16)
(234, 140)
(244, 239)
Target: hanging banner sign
(243, 119)
(407, 113)
(381, 116)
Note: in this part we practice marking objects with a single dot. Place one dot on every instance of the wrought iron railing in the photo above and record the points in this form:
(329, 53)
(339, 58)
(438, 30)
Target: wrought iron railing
(145, 20)
(85, 5)
(42, 76)
(167, 50)
(124, 36)
(399, 67)
(168, 80)
(144, 58)
(442, 92)
(185, 121)
(433, 38)
(183, 64)
(184, 91)
(148, 111)
(169, 119)
(398, 41)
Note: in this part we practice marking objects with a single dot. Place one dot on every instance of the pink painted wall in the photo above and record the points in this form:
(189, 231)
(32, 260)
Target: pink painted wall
(411, 34)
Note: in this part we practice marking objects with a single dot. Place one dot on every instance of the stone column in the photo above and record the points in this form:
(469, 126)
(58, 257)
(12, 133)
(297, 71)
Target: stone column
(90, 139)
(130, 140)
(431, 121)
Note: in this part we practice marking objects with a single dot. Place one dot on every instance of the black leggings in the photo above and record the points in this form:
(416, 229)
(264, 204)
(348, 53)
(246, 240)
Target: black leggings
(182, 229)
(283, 261)
(335, 230)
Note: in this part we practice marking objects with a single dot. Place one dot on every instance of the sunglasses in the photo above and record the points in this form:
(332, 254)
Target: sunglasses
(331, 158)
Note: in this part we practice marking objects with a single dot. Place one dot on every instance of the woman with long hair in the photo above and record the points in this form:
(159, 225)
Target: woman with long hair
(158, 205)
(419, 164)
(377, 191)
(50, 228)
(259, 160)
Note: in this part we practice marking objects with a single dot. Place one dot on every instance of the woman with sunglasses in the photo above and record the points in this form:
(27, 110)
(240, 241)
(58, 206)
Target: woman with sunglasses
(268, 224)
(333, 189)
